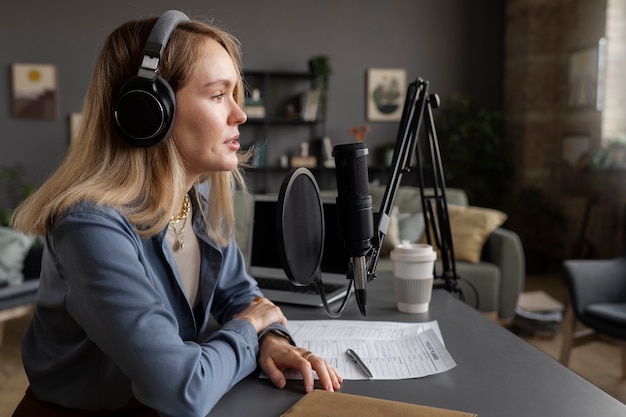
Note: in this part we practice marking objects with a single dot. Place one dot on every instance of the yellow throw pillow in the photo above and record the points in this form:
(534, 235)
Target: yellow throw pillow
(470, 227)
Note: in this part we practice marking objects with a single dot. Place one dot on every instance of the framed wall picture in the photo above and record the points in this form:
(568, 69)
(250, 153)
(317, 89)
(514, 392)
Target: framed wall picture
(386, 89)
(586, 77)
(34, 91)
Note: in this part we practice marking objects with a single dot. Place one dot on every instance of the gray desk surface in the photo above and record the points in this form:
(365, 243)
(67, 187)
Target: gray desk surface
(497, 373)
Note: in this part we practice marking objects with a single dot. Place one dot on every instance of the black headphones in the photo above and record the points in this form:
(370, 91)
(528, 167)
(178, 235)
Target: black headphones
(145, 106)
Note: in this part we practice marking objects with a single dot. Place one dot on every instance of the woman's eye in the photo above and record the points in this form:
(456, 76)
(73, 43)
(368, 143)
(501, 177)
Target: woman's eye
(219, 97)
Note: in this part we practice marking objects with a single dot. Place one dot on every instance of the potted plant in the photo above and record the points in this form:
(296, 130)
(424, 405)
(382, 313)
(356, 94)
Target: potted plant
(612, 154)
(474, 150)
(15, 245)
(320, 68)
(16, 189)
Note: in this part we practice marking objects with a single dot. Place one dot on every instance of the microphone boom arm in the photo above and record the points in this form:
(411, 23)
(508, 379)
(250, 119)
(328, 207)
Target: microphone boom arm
(418, 106)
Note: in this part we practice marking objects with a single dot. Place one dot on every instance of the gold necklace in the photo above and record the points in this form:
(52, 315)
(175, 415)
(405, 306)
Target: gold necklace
(182, 216)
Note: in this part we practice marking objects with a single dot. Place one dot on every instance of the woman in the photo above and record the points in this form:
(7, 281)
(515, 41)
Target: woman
(139, 250)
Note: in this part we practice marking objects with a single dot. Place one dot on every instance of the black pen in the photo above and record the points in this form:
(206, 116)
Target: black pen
(360, 362)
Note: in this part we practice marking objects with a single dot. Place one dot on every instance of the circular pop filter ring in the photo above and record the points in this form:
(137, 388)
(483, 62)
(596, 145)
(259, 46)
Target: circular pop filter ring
(300, 227)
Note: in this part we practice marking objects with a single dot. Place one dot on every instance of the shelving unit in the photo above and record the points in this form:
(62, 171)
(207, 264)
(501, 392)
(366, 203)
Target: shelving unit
(325, 177)
(282, 129)
(279, 133)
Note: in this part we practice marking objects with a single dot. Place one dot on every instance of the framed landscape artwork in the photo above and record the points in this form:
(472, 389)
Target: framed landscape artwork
(386, 89)
(34, 91)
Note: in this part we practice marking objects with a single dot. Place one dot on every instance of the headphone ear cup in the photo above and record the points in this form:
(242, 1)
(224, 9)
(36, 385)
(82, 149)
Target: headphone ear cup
(144, 111)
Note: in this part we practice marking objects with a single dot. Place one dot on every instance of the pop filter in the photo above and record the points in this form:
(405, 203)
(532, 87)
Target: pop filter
(300, 232)
(300, 224)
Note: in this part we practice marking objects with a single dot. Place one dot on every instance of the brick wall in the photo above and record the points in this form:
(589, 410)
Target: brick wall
(541, 36)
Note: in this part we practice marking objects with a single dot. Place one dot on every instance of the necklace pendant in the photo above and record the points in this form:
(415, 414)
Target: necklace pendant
(181, 239)
(180, 234)
(179, 243)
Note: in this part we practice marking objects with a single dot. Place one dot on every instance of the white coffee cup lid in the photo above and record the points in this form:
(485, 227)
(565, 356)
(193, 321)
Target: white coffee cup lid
(413, 252)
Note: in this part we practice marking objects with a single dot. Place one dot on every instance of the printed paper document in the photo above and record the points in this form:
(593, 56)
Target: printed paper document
(391, 350)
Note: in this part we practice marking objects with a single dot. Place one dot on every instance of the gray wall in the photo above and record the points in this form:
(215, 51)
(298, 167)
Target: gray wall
(455, 44)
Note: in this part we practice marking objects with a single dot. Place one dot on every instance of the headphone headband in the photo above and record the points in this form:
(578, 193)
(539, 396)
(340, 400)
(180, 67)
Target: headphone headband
(145, 106)
(162, 30)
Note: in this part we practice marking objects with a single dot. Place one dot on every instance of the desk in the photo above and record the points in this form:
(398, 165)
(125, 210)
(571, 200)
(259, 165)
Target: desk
(497, 373)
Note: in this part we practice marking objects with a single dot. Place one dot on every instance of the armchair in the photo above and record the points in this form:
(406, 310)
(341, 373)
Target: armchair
(597, 290)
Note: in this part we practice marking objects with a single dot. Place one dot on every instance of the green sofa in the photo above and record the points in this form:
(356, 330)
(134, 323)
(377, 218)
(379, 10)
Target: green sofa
(498, 276)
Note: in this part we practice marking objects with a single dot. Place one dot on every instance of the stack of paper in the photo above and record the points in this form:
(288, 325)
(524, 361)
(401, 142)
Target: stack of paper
(391, 350)
(537, 314)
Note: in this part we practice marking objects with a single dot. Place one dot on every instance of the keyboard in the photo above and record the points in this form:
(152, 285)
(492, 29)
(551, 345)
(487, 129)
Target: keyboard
(286, 285)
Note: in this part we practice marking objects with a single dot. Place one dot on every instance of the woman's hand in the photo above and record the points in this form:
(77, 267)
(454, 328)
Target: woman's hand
(261, 313)
(276, 354)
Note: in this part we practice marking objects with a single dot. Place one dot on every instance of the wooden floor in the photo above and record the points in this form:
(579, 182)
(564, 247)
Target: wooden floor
(597, 362)
(13, 380)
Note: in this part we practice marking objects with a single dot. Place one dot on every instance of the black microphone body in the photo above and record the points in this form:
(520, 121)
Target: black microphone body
(354, 206)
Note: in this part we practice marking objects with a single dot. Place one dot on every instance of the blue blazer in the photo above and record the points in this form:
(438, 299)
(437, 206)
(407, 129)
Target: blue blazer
(112, 321)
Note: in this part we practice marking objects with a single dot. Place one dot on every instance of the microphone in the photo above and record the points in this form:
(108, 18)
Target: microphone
(354, 207)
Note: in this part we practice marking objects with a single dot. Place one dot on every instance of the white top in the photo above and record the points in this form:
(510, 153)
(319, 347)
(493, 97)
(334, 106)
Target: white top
(187, 257)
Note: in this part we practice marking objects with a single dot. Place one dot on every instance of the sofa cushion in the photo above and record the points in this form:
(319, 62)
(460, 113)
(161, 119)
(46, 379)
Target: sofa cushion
(470, 227)
(13, 249)
(410, 226)
(408, 199)
(402, 226)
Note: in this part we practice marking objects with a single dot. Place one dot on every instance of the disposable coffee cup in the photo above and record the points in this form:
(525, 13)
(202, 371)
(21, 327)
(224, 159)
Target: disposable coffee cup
(413, 265)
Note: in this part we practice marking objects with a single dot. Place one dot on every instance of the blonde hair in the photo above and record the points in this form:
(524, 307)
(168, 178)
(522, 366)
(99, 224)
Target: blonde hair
(143, 183)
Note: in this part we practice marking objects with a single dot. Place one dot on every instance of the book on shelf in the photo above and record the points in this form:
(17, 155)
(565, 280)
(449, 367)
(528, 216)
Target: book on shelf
(310, 102)
(253, 106)
(258, 155)
(303, 161)
(254, 112)
(328, 160)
